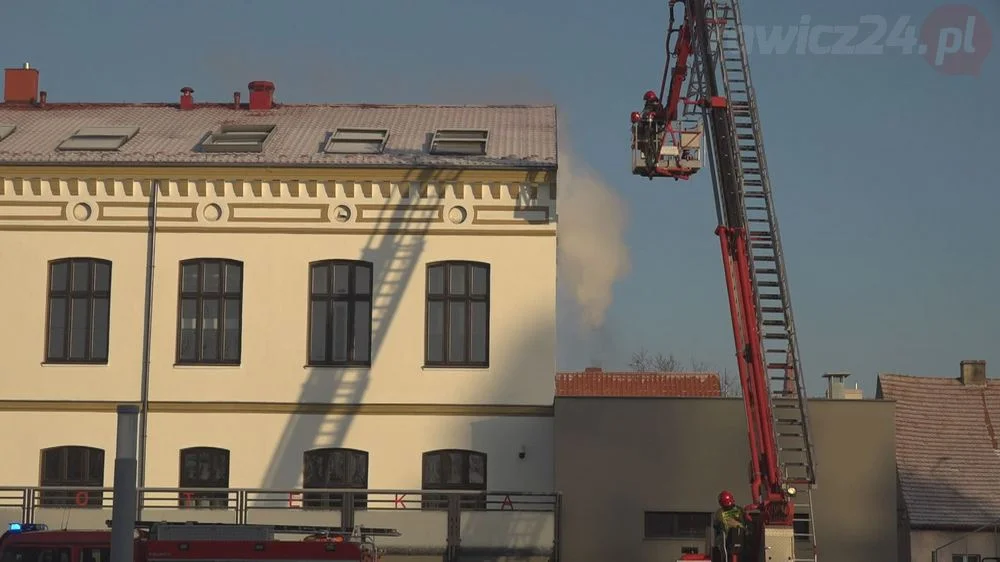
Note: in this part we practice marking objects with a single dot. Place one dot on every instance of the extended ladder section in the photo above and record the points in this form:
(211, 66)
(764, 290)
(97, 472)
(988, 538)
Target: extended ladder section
(727, 52)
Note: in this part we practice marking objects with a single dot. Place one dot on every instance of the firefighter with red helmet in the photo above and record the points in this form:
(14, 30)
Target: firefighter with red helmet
(730, 524)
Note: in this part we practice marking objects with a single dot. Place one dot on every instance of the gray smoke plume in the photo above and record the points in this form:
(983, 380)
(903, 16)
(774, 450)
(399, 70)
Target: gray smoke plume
(592, 250)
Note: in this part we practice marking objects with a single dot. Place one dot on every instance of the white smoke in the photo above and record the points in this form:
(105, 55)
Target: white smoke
(592, 250)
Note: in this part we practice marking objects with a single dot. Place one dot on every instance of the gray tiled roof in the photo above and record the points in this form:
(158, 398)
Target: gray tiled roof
(949, 469)
(519, 136)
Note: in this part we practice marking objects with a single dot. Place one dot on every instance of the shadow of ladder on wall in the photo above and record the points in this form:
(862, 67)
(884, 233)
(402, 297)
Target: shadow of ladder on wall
(787, 395)
(395, 237)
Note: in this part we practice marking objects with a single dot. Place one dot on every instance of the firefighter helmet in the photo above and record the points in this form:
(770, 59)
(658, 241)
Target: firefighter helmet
(726, 499)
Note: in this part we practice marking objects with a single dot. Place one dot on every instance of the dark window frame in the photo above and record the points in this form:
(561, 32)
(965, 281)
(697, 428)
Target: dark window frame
(352, 298)
(672, 525)
(466, 501)
(190, 497)
(91, 294)
(333, 500)
(467, 299)
(86, 478)
(200, 296)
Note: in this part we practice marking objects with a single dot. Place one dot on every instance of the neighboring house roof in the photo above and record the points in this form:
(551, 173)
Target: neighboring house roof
(593, 382)
(946, 449)
(518, 136)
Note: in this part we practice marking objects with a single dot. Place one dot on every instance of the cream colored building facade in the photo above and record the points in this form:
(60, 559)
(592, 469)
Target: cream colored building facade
(261, 348)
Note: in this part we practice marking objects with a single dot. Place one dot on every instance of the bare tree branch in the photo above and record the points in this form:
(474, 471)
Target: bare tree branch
(640, 361)
(668, 364)
(643, 362)
(730, 384)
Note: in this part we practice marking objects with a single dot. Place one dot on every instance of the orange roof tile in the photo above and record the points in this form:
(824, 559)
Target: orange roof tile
(595, 382)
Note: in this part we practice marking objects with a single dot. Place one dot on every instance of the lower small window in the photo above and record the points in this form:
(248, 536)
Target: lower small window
(965, 558)
(334, 468)
(675, 524)
(454, 469)
(204, 467)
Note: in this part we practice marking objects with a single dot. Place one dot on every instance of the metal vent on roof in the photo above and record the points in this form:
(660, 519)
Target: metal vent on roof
(99, 138)
(459, 141)
(238, 138)
(357, 141)
(6, 130)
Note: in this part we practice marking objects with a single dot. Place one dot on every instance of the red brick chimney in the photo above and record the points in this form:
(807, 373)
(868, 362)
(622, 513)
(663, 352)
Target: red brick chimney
(20, 85)
(187, 97)
(261, 94)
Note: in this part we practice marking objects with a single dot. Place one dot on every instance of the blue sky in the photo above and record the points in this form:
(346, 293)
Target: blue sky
(883, 167)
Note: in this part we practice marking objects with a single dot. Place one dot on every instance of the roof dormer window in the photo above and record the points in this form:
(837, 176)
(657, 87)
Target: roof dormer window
(99, 138)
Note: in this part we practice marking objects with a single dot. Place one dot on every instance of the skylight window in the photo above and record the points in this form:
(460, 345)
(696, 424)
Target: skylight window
(238, 138)
(6, 130)
(99, 138)
(459, 141)
(357, 141)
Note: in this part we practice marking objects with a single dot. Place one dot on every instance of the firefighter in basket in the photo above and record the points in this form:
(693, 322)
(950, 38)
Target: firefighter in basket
(730, 524)
(649, 127)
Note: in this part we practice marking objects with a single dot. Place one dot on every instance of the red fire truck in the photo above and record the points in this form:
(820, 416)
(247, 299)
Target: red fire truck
(190, 542)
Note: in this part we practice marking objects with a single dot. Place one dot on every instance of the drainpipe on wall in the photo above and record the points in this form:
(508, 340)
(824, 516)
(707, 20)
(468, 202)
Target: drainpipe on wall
(146, 331)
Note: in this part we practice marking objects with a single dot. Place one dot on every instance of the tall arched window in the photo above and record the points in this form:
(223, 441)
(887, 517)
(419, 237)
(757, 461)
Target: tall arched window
(340, 313)
(454, 469)
(334, 468)
(79, 311)
(210, 312)
(72, 465)
(204, 467)
(458, 314)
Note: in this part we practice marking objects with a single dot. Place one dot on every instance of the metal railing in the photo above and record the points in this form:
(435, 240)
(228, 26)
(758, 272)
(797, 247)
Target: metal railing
(439, 522)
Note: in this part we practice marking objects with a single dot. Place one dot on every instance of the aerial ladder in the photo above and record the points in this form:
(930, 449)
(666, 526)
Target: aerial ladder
(669, 139)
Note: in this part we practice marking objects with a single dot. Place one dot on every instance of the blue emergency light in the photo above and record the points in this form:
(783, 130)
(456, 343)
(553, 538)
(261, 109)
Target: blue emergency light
(25, 527)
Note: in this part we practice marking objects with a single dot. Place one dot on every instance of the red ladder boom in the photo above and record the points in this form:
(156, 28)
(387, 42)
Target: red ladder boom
(666, 143)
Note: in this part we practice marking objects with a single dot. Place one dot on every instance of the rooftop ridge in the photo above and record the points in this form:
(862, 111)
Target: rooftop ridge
(317, 135)
(245, 107)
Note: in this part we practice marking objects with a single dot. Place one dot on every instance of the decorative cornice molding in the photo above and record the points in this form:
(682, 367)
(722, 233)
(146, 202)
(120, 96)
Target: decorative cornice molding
(274, 205)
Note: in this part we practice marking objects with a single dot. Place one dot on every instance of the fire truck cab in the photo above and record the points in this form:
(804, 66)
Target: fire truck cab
(161, 542)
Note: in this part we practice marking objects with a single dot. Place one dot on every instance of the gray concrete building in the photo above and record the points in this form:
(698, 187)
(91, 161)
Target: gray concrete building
(640, 476)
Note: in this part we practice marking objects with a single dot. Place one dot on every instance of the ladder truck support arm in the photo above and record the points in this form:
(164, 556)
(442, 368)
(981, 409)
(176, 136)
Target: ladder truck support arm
(767, 486)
